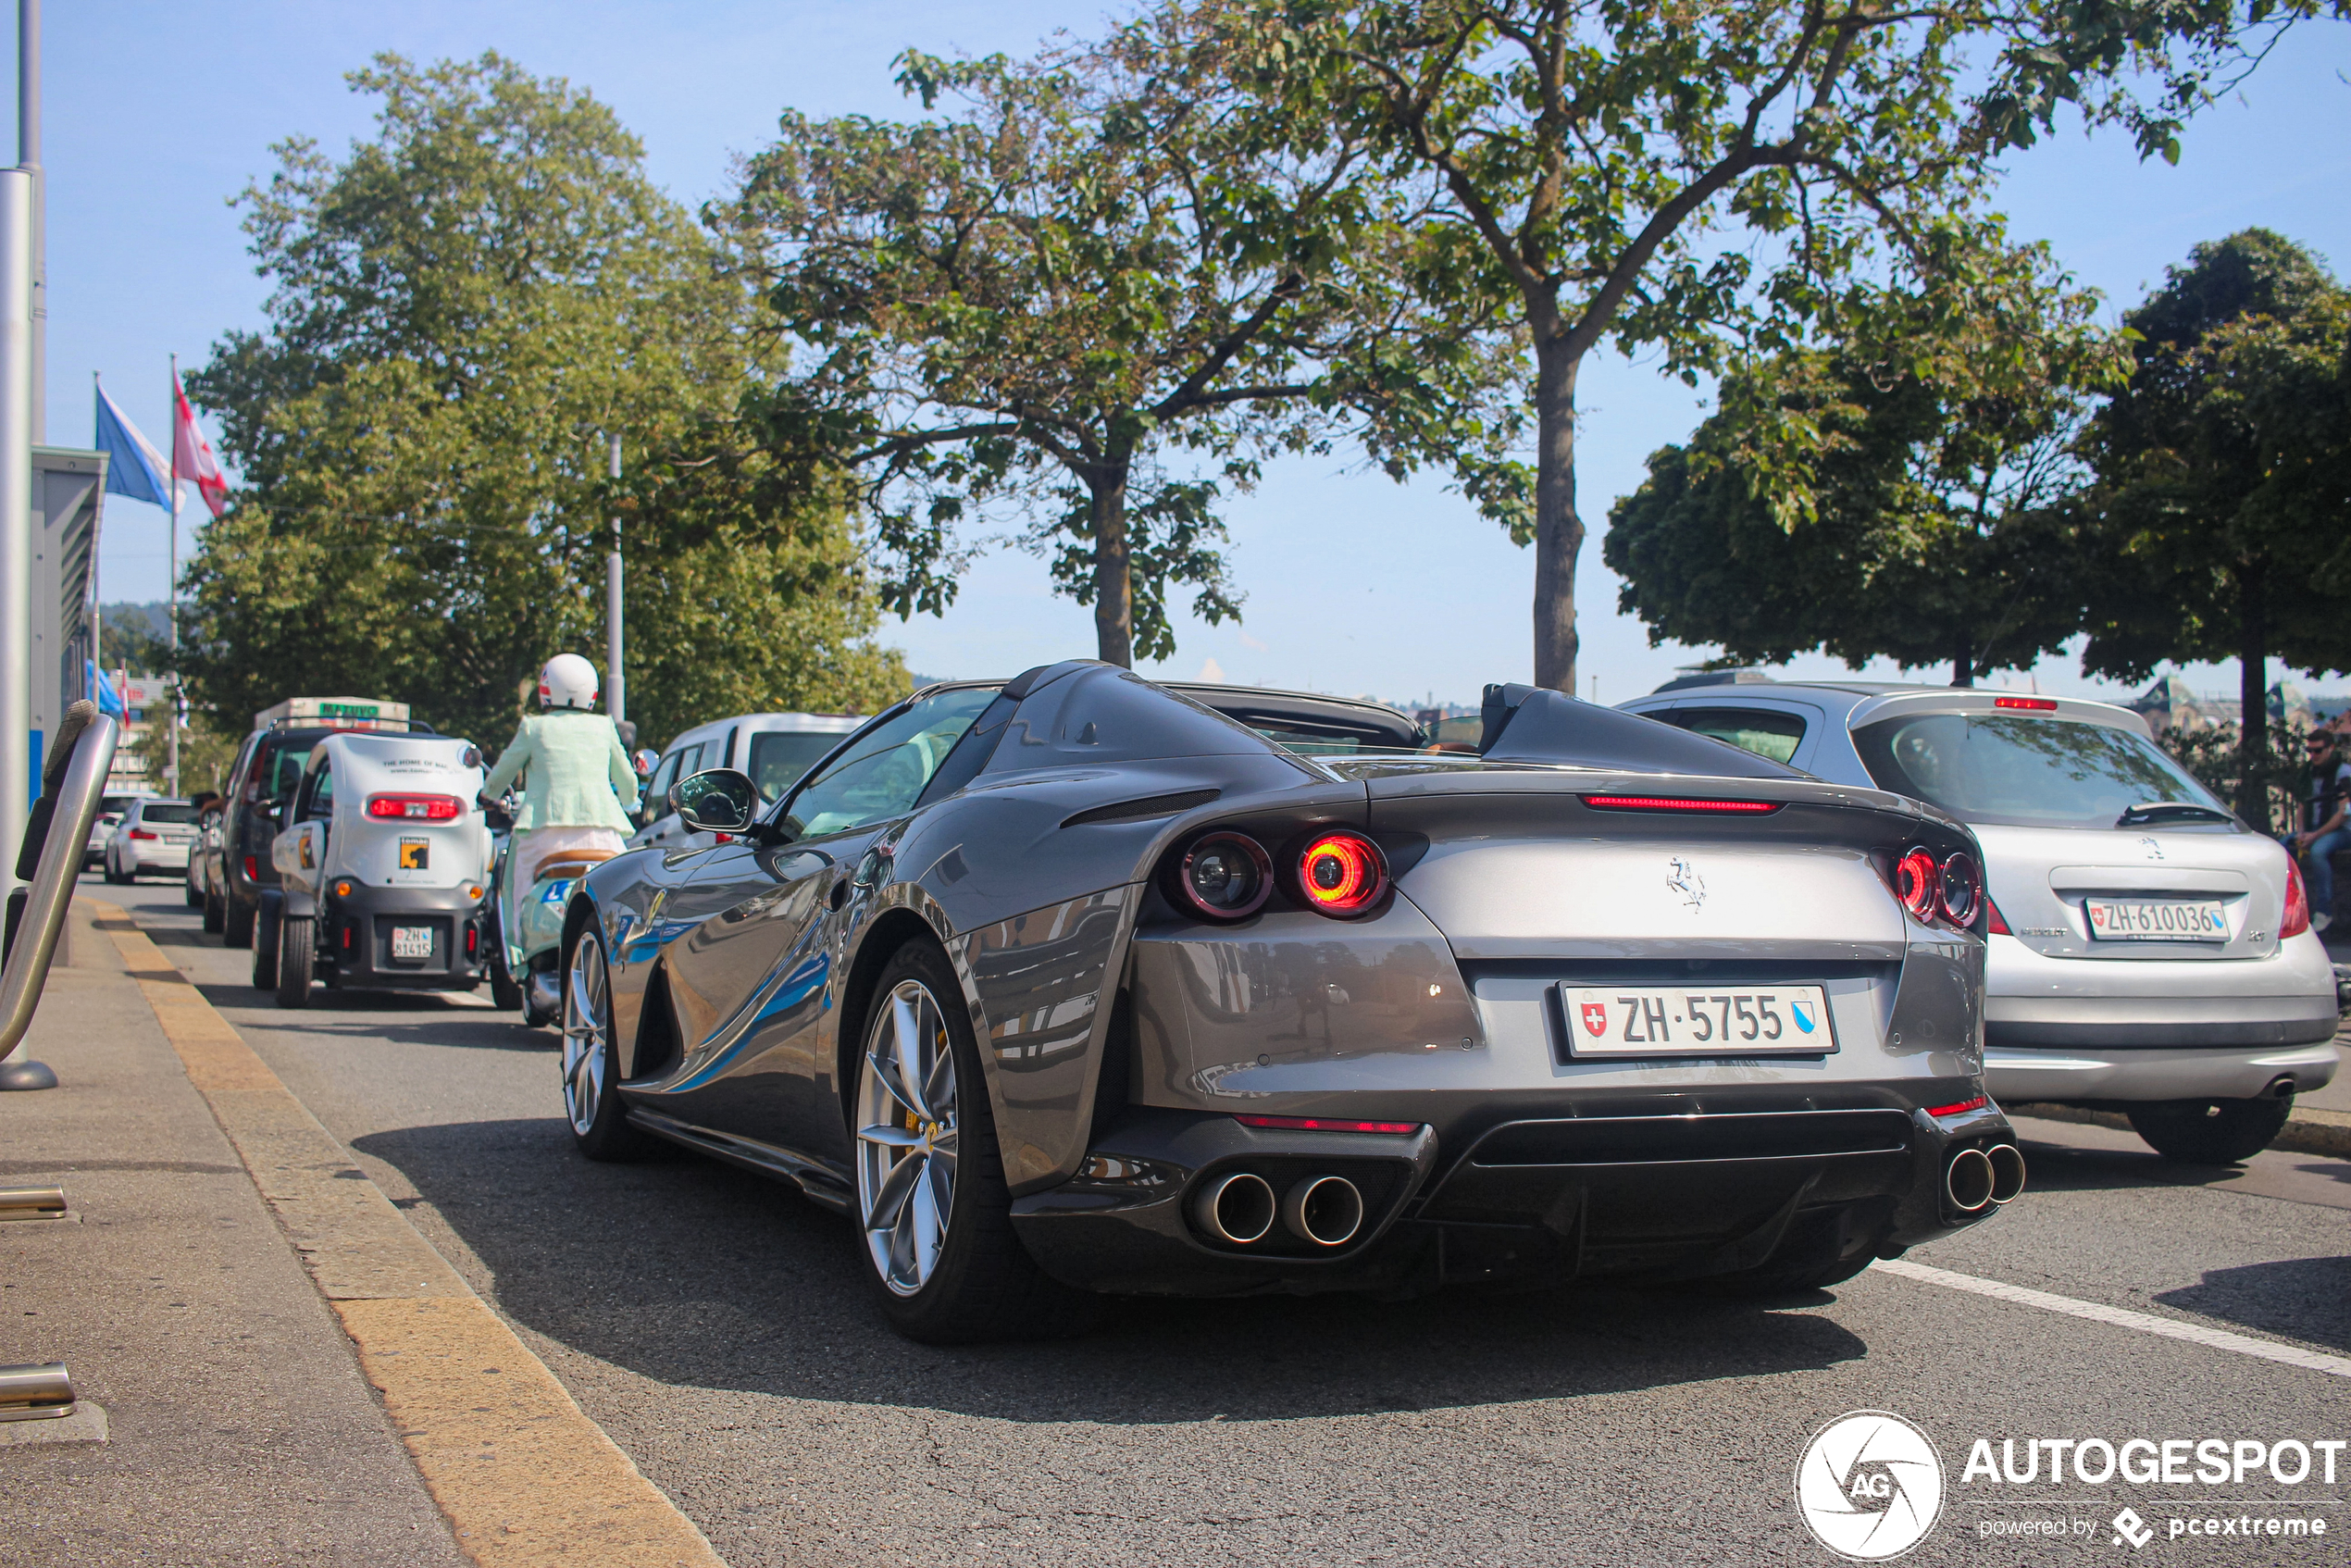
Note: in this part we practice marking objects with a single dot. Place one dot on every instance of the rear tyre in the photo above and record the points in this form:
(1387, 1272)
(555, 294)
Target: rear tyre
(2211, 1132)
(296, 953)
(113, 874)
(503, 994)
(214, 913)
(264, 960)
(195, 899)
(590, 1067)
(236, 924)
(934, 1215)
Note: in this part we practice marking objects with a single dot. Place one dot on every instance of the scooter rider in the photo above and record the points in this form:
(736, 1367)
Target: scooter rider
(579, 785)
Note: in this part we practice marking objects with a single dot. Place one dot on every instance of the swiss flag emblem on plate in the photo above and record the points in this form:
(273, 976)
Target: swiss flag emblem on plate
(1596, 1018)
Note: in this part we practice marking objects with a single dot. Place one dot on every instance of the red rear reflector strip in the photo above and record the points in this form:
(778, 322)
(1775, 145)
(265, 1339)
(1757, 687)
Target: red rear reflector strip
(1962, 1109)
(1323, 1124)
(1675, 803)
(417, 808)
(2033, 704)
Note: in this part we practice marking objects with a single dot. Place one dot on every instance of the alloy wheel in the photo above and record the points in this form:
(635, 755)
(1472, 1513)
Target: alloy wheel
(906, 1137)
(584, 1056)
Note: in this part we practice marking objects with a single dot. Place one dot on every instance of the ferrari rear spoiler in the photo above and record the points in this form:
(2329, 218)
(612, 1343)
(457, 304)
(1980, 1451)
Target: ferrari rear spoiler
(1534, 723)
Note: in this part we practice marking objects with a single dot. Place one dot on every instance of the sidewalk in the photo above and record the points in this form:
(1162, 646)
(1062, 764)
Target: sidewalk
(240, 1429)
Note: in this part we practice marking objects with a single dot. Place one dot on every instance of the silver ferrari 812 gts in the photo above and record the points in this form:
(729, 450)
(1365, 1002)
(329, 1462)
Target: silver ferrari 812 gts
(1077, 984)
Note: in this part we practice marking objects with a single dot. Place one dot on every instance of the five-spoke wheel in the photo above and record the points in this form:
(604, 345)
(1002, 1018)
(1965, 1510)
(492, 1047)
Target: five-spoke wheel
(592, 1097)
(906, 1137)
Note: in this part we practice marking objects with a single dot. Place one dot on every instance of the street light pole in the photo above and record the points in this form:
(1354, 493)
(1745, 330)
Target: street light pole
(615, 683)
(28, 159)
(16, 513)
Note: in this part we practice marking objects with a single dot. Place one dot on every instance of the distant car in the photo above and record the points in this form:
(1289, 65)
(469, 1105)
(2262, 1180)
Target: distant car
(204, 864)
(1074, 980)
(101, 827)
(154, 835)
(2149, 952)
(774, 749)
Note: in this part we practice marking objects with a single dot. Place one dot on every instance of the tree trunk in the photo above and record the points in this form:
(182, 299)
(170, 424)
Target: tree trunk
(1962, 660)
(1114, 585)
(2253, 686)
(1559, 532)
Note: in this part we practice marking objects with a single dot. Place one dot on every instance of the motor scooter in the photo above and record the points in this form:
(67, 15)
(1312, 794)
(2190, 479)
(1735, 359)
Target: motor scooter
(525, 948)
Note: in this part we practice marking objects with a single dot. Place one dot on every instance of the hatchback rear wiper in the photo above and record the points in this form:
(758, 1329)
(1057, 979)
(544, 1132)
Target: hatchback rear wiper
(2169, 811)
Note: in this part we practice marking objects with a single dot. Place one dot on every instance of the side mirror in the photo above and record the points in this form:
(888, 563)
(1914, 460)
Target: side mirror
(644, 763)
(718, 801)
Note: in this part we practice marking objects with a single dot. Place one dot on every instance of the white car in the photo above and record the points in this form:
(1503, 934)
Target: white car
(775, 748)
(2149, 953)
(101, 827)
(154, 835)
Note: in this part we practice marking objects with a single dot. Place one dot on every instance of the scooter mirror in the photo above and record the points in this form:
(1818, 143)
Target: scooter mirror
(717, 801)
(469, 757)
(644, 763)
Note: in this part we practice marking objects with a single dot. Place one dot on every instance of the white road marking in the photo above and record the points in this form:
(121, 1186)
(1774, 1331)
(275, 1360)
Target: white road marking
(2119, 1317)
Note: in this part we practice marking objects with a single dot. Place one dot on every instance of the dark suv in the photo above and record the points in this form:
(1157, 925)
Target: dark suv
(261, 785)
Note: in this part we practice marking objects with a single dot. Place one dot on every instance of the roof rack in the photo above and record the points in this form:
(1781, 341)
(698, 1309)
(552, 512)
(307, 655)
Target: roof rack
(357, 725)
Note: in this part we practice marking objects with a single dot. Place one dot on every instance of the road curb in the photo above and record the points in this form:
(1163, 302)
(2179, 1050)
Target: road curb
(2305, 1131)
(522, 1474)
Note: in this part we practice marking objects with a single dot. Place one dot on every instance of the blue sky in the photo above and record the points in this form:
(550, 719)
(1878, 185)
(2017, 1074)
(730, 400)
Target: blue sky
(157, 115)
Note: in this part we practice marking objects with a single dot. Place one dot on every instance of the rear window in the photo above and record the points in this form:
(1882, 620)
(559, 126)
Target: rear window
(779, 760)
(2014, 771)
(1766, 732)
(282, 770)
(167, 810)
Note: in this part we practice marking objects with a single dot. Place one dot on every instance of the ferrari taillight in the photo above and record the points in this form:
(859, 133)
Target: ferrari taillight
(1961, 891)
(1341, 874)
(1224, 875)
(417, 808)
(1918, 882)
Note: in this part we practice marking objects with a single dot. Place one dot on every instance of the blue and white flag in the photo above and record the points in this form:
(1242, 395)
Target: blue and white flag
(109, 701)
(134, 467)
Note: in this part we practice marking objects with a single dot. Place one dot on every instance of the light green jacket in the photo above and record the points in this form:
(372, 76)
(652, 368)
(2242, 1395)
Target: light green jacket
(577, 771)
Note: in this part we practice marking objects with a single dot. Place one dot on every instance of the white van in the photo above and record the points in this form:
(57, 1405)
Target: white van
(775, 748)
(383, 869)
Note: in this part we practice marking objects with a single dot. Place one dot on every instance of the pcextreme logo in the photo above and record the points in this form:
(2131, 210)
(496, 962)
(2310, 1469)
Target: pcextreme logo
(1869, 1486)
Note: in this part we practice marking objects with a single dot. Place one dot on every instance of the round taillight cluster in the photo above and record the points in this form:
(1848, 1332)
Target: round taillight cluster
(1951, 890)
(1227, 875)
(1341, 874)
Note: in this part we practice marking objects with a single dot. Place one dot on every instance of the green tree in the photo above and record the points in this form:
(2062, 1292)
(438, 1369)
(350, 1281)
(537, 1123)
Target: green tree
(1699, 182)
(461, 307)
(2217, 512)
(1095, 295)
(1901, 493)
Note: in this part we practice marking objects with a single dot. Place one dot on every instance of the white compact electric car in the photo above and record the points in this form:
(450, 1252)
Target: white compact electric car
(2150, 953)
(775, 748)
(383, 869)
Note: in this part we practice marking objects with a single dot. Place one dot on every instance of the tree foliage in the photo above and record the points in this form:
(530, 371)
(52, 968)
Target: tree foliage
(1095, 297)
(461, 308)
(2222, 478)
(1900, 491)
(1700, 183)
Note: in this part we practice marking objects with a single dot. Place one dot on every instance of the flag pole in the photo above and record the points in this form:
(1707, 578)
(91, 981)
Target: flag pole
(171, 605)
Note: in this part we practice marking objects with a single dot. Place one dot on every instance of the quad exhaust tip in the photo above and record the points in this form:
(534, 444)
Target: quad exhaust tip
(1325, 1210)
(1237, 1208)
(1967, 1179)
(2008, 1171)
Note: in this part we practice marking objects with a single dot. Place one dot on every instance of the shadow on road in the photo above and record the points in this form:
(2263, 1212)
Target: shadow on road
(2306, 1298)
(692, 1273)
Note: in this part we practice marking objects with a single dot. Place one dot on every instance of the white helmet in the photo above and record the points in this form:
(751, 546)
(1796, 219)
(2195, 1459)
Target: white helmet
(568, 681)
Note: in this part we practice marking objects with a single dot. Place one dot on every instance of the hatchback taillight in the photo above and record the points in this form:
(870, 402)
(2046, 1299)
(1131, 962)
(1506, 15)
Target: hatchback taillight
(140, 833)
(417, 808)
(2297, 904)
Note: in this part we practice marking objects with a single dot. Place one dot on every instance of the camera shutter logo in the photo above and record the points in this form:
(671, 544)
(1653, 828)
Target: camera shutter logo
(1869, 1486)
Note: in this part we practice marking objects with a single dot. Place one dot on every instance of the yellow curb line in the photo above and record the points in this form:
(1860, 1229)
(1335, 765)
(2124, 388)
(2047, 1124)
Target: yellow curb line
(522, 1474)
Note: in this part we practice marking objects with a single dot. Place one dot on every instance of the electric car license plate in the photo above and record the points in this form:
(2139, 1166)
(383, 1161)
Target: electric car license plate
(2157, 920)
(412, 942)
(1605, 1021)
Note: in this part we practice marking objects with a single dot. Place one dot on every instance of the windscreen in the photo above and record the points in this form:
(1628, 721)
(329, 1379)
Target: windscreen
(884, 773)
(2007, 769)
(167, 810)
(778, 759)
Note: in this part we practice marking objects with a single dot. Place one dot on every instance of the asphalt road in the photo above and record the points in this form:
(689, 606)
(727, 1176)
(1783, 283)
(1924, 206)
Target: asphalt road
(714, 1325)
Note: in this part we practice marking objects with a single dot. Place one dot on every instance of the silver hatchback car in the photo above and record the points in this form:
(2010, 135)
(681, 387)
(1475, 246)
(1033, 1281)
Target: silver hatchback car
(2150, 953)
